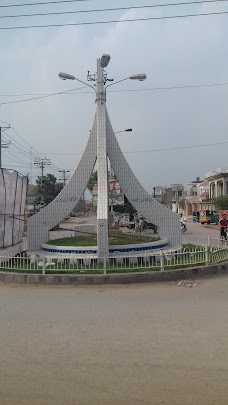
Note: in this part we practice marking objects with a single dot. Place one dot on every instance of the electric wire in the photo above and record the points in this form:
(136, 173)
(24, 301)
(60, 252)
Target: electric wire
(44, 96)
(52, 165)
(165, 88)
(87, 23)
(113, 9)
(152, 150)
(42, 3)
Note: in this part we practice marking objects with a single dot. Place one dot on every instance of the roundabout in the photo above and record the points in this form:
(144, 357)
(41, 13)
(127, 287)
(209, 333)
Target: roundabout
(122, 244)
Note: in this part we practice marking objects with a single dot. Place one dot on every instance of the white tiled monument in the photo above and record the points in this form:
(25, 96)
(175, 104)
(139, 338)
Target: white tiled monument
(102, 143)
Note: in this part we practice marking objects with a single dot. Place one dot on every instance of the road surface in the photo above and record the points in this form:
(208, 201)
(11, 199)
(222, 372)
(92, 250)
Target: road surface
(147, 344)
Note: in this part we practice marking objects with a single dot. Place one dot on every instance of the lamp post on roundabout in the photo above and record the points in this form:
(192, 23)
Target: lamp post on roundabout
(100, 86)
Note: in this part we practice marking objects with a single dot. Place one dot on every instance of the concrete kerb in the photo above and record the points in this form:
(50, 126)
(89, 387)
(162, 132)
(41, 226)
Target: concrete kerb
(120, 278)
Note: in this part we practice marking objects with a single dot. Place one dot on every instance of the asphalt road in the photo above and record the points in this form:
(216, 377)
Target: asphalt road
(147, 344)
(212, 229)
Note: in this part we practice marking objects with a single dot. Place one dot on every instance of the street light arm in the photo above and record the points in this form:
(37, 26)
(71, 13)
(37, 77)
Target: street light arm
(119, 81)
(141, 77)
(65, 76)
(88, 85)
(123, 130)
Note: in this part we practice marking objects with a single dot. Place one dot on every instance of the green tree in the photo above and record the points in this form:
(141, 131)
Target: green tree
(127, 207)
(221, 202)
(92, 178)
(182, 204)
(47, 188)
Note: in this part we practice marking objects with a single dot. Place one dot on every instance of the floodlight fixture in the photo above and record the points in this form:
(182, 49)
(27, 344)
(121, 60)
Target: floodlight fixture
(105, 59)
(140, 76)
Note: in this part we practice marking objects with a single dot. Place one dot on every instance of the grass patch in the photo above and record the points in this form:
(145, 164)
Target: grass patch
(91, 240)
(191, 246)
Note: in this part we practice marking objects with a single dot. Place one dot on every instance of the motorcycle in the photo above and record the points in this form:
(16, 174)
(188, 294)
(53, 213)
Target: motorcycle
(183, 228)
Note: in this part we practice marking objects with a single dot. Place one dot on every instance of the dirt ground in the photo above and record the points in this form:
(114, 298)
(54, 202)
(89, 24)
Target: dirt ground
(155, 344)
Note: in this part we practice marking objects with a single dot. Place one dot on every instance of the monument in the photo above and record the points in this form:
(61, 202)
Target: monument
(102, 144)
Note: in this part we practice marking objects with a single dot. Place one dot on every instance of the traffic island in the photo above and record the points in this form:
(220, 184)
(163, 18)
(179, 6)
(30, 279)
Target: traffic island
(119, 278)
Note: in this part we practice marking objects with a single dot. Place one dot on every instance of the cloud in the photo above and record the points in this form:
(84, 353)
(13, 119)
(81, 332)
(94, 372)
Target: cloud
(171, 52)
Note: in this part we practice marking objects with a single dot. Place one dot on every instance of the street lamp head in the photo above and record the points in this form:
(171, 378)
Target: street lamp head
(141, 77)
(124, 130)
(105, 59)
(66, 76)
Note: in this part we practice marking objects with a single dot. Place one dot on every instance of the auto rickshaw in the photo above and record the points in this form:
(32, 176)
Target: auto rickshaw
(206, 217)
(195, 216)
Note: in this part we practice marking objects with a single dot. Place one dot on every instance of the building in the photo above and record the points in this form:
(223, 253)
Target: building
(218, 183)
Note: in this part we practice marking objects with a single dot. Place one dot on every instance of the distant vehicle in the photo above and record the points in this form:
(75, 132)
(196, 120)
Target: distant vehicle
(206, 217)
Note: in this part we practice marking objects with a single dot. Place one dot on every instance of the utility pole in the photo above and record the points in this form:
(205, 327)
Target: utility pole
(3, 145)
(154, 189)
(65, 177)
(42, 163)
(31, 165)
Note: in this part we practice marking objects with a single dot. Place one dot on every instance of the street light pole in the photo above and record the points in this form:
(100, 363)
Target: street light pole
(102, 166)
(117, 132)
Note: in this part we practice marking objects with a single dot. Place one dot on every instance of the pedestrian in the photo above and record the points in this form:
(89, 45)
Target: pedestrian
(216, 217)
(223, 226)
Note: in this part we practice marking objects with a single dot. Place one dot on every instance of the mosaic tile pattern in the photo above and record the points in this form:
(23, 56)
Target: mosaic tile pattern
(50, 216)
(168, 222)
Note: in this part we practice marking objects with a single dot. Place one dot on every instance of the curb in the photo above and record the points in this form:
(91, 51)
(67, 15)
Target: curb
(120, 278)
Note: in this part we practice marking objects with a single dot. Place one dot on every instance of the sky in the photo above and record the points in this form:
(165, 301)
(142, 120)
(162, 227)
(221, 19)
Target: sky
(165, 122)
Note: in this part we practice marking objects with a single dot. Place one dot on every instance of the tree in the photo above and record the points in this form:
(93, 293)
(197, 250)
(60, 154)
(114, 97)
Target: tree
(221, 202)
(47, 188)
(92, 178)
(182, 204)
(127, 207)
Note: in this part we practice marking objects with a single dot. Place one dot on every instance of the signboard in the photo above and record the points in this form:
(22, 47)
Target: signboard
(115, 194)
(222, 213)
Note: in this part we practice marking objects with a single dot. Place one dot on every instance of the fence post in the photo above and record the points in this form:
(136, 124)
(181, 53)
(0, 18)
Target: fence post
(209, 240)
(44, 264)
(162, 260)
(207, 249)
(104, 264)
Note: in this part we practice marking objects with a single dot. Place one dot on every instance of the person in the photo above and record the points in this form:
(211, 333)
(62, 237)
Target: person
(216, 217)
(120, 200)
(183, 222)
(117, 187)
(223, 226)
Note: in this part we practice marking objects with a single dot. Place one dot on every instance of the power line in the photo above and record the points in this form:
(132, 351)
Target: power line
(153, 150)
(16, 158)
(188, 86)
(23, 150)
(44, 96)
(112, 9)
(42, 3)
(180, 147)
(165, 88)
(172, 17)
(54, 168)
